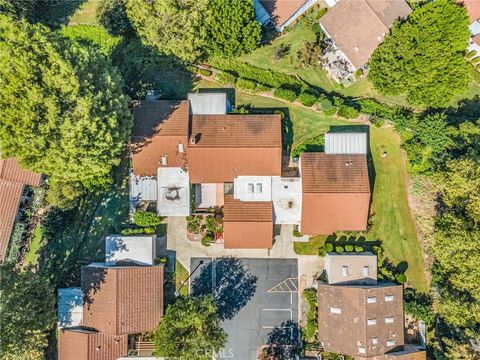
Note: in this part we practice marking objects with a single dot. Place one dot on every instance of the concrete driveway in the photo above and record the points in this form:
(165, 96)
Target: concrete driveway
(273, 301)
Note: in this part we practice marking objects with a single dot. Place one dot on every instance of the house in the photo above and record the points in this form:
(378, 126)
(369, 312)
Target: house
(280, 12)
(473, 10)
(361, 319)
(13, 180)
(355, 28)
(194, 161)
(336, 192)
(119, 299)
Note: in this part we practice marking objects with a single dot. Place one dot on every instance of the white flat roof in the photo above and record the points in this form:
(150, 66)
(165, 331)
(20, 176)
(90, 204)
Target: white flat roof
(252, 188)
(346, 143)
(139, 248)
(287, 200)
(206, 195)
(70, 307)
(208, 103)
(173, 192)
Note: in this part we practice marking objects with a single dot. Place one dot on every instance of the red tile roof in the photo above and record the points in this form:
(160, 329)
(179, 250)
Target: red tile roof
(334, 173)
(473, 8)
(123, 299)
(227, 146)
(160, 126)
(12, 180)
(336, 193)
(83, 344)
(247, 224)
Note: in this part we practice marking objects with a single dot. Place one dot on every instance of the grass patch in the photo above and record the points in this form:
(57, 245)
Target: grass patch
(311, 247)
(181, 274)
(86, 14)
(31, 258)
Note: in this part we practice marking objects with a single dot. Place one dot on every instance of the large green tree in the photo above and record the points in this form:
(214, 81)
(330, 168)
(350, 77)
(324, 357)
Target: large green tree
(27, 313)
(190, 329)
(63, 112)
(175, 27)
(424, 56)
(232, 29)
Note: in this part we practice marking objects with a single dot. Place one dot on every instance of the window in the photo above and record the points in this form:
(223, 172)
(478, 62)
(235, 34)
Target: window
(374, 341)
(390, 342)
(365, 271)
(371, 299)
(344, 270)
(389, 320)
(335, 310)
(251, 188)
(388, 297)
(372, 321)
(228, 188)
(259, 188)
(361, 350)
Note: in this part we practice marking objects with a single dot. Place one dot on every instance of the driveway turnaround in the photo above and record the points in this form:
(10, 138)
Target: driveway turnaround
(258, 296)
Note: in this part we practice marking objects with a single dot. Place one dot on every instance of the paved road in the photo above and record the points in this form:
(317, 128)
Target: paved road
(275, 301)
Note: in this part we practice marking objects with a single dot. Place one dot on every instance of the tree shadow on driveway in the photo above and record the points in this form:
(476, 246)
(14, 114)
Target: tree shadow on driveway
(230, 282)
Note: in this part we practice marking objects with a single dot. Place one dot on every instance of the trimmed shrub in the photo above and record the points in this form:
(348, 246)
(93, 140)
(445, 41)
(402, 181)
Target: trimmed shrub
(358, 73)
(347, 112)
(316, 28)
(401, 278)
(348, 248)
(339, 249)
(471, 54)
(281, 113)
(359, 248)
(296, 233)
(146, 219)
(321, 251)
(246, 84)
(308, 98)
(285, 94)
(225, 78)
(328, 247)
(207, 240)
(204, 72)
(327, 106)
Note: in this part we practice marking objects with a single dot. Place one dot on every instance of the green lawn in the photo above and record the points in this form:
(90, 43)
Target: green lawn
(86, 14)
(181, 274)
(31, 258)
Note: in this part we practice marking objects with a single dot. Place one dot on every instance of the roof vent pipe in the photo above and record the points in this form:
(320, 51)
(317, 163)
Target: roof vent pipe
(192, 140)
(181, 148)
(164, 160)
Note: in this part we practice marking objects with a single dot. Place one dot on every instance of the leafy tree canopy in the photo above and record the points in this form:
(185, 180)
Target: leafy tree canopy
(190, 329)
(27, 312)
(113, 16)
(63, 112)
(232, 29)
(424, 56)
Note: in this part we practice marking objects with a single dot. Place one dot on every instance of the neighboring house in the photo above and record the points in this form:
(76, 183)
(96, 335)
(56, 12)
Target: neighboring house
(473, 10)
(13, 180)
(355, 29)
(360, 320)
(281, 12)
(120, 298)
(234, 162)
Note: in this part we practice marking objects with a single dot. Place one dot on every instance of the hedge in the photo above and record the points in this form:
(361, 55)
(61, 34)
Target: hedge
(204, 72)
(285, 94)
(327, 106)
(347, 112)
(308, 98)
(225, 78)
(339, 249)
(246, 84)
(358, 248)
(348, 248)
(328, 247)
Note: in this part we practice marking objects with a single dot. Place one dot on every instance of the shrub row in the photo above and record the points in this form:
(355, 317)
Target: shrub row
(285, 94)
(328, 248)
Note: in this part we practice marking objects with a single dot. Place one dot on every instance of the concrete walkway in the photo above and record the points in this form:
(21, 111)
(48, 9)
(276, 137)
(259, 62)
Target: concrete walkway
(308, 265)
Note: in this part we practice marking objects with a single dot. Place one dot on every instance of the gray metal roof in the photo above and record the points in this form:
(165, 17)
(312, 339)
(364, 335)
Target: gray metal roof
(345, 143)
(208, 103)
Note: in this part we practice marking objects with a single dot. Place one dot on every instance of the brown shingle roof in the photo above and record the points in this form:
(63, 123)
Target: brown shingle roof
(122, 300)
(282, 10)
(473, 8)
(222, 131)
(359, 26)
(344, 333)
(227, 146)
(12, 180)
(329, 173)
(158, 129)
(84, 344)
(247, 224)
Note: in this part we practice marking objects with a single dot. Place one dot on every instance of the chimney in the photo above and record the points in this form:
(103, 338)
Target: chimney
(192, 140)
(181, 148)
(164, 160)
